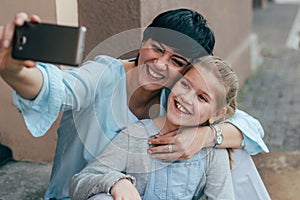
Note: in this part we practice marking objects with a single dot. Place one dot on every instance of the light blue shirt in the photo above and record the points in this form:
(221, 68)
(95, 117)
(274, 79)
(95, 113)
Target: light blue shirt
(176, 180)
(93, 98)
(187, 179)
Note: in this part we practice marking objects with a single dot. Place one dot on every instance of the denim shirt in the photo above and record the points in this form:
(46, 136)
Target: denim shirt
(93, 99)
(176, 180)
(179, 180)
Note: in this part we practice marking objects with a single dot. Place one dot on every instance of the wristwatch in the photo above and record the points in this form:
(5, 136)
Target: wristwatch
(218, 135)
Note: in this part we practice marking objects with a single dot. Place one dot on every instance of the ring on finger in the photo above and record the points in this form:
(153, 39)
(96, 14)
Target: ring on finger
(170, 148)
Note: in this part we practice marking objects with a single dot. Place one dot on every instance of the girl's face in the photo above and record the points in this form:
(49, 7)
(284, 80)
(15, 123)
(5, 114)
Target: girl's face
(193, 99)
(159, 65)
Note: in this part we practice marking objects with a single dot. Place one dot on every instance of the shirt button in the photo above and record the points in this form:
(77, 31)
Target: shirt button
(188, 164)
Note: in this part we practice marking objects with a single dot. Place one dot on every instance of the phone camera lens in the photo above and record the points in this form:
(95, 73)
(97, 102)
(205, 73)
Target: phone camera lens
(22, 40)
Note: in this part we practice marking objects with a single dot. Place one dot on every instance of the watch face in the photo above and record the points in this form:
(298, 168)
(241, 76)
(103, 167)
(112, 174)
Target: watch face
(219, 139)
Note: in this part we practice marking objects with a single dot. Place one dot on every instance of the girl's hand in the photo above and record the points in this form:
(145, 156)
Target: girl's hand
(124, 190)
(185, 143)
(7, 63)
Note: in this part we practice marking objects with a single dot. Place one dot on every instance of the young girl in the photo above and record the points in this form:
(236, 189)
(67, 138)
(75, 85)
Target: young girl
(206, 94)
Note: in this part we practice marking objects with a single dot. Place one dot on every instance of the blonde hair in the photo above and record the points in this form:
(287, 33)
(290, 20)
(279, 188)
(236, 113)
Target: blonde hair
(226, 95)
(227, 92)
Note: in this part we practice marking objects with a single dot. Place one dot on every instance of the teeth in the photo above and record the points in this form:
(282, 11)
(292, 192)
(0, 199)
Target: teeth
(155, 75)
(181, 108)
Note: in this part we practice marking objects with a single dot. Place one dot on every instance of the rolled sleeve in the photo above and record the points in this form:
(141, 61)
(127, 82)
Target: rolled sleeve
(112, 178)
(252, 131)
(39, 114)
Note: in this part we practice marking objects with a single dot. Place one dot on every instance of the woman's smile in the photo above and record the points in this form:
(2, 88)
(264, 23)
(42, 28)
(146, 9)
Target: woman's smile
(153, 74)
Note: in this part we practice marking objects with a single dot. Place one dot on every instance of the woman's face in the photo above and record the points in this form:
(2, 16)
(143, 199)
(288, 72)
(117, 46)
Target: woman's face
(159, 65)
(193, 98)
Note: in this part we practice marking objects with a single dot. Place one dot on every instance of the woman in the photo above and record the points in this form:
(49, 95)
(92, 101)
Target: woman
(99, 99)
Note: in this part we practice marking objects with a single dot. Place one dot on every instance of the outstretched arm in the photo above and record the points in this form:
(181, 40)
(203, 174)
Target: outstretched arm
(22, 76)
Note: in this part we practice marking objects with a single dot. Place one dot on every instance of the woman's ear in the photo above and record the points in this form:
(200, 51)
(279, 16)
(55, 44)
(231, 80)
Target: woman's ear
(142, 43)
(218, 115)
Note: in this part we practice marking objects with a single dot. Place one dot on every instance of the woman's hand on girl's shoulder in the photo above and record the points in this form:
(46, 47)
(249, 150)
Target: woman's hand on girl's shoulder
(185, 143)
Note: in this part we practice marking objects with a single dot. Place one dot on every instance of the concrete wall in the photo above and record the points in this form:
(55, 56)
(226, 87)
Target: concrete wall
(44, 8)
(106, 18)
(231, 21)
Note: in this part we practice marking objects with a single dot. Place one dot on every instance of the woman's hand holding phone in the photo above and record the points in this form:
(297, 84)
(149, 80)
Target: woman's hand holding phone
(22, 76)
(7, 63)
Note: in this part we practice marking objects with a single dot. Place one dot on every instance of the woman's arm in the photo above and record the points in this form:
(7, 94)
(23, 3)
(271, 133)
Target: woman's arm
(22, 76)
(42, 90)
(252, 132)
(240, 131)
(191, 140)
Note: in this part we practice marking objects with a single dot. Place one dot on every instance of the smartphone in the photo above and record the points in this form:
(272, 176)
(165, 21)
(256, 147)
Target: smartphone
(49, 43)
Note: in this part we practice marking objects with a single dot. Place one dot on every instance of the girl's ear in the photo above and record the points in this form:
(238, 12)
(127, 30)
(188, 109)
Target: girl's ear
(218, 115)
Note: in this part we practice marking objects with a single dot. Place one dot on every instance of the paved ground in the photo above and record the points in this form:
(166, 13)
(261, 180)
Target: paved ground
(23, 180)
(271, 95)
(280, 172)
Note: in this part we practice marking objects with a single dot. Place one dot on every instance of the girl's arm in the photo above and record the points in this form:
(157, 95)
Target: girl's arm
(104, 173)
(240, 131)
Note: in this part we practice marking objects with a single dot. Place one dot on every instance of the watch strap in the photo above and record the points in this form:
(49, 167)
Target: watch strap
(218, 136)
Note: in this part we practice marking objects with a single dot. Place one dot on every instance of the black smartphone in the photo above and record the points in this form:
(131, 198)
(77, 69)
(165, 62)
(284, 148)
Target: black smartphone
(49, 43)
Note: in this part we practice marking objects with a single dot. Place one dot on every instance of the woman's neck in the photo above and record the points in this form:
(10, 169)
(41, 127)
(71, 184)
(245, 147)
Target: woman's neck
(140, 101)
